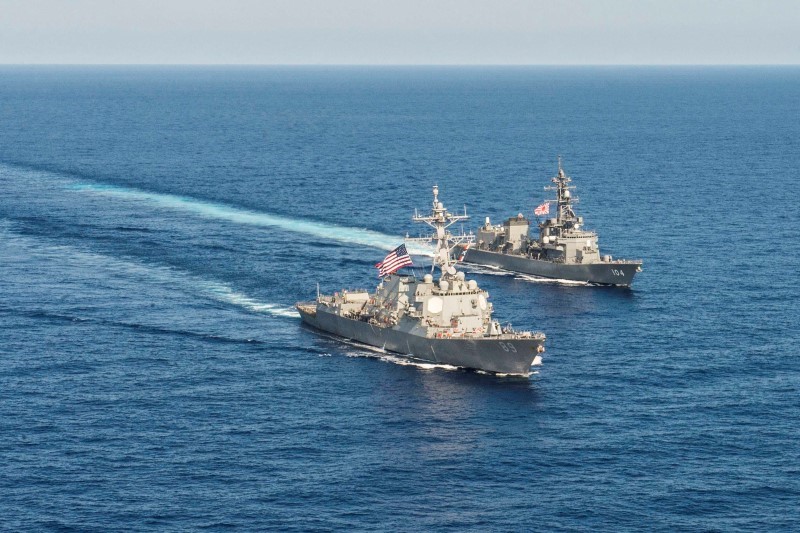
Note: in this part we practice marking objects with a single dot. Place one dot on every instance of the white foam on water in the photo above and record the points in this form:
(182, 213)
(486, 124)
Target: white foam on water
(537, 360)
(238, 215)
(538, 279)
(502, 375)
(82, 262)
(404, 361)
(224, 293)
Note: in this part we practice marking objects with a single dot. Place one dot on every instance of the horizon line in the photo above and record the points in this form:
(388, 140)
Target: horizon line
(2, 64)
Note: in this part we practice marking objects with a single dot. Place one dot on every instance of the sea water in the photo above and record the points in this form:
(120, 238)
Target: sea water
(158, 224)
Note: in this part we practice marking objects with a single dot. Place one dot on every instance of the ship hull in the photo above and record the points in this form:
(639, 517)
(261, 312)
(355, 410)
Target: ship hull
(606, 273)
(503, 356)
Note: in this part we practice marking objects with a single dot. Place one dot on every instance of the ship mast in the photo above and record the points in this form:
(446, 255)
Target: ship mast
(440, 219)
(563, 196)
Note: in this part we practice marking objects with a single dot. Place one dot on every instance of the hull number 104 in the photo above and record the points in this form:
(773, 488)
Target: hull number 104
(617, 272)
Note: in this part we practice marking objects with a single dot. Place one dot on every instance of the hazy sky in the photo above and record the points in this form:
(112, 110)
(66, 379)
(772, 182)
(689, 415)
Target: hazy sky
(401, 32)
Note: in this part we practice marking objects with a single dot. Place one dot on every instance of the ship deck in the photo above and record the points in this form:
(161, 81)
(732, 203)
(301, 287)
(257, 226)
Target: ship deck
(309, 308)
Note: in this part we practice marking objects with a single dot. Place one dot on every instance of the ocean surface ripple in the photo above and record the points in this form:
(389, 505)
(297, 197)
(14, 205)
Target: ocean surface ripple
(158, 224)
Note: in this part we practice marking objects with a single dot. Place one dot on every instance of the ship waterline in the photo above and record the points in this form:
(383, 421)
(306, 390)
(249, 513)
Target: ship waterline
(500, 355)
(619, 273)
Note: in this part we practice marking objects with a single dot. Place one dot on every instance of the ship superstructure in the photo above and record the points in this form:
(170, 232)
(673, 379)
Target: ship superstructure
(446, 321)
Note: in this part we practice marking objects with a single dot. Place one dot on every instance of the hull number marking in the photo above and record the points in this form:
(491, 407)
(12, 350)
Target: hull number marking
(617, 272)
(508, 347)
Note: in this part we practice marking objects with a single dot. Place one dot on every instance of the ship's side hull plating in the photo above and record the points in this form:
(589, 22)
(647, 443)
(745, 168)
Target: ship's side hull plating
(512, 356)
(610, 273)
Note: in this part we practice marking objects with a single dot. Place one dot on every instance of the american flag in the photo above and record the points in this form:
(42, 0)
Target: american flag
(397, 259)
(542, 209)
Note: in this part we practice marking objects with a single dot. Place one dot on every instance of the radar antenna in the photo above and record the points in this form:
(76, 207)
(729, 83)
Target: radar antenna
(440, 219)
(564, 197)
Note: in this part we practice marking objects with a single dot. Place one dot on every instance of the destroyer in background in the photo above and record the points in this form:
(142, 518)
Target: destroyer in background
(564, 250)
(448, 322)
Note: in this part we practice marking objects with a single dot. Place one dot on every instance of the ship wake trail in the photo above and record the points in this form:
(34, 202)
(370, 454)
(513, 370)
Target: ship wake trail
(81, 271)
(226, 294)
(218, 211)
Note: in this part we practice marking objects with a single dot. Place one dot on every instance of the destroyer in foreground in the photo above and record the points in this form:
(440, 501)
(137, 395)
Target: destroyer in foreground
(449, 322)
(564, 250)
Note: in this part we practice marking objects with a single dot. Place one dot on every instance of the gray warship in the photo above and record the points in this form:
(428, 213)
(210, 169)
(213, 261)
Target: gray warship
(448, 322)
(564, 250)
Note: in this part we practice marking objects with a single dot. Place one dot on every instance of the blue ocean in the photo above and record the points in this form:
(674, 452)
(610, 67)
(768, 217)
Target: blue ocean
(157, 224)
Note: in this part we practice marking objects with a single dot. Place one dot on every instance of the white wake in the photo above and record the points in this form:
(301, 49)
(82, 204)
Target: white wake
(224, 293)
(238, 215)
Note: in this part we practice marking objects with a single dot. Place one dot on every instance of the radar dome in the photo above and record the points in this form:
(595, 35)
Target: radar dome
(443, 284)
(427, 278)
(460, 276)
(472, 284)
